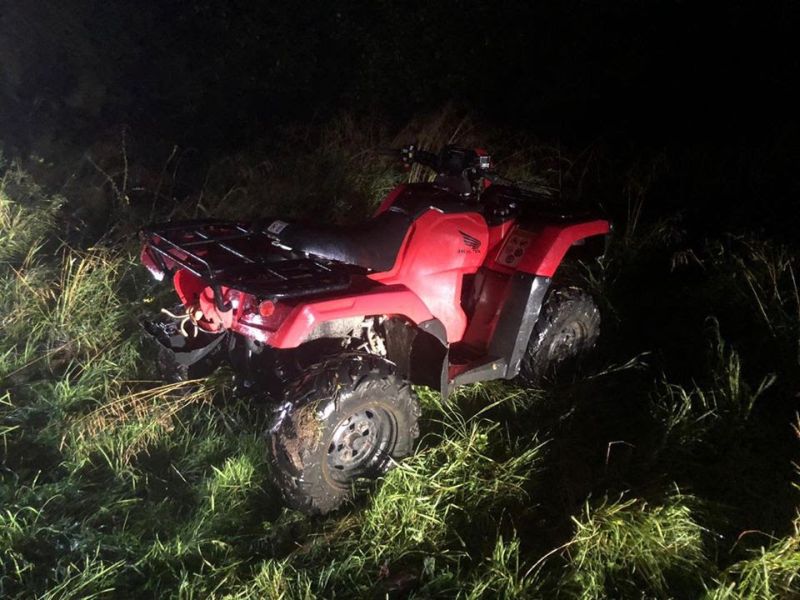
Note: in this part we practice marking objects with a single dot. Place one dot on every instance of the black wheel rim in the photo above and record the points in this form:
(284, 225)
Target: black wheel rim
(360, 444)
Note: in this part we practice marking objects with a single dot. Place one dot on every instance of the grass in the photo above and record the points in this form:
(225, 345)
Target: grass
(663, 468)
(772, 572)
(626, 545)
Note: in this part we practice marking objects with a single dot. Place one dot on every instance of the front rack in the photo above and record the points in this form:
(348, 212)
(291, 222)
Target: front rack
(238, 256)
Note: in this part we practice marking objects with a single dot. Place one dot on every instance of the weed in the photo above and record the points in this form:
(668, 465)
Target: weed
(626, 545)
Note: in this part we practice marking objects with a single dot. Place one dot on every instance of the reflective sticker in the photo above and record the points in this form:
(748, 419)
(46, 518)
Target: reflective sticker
(277, 227)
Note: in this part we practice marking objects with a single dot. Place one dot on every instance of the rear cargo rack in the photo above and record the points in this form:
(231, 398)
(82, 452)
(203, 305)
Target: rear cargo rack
(235, 255)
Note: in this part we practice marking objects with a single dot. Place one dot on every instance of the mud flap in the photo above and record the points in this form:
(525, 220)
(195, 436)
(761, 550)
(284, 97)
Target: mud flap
(180, 358)
(420, 352)
(517, 320)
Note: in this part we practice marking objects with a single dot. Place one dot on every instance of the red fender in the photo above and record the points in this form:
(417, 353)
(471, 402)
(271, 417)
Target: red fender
(552, 243)
(541, 249)
(296, 327)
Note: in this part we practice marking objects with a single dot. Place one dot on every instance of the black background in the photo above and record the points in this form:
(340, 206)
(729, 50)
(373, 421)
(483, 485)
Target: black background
(222, 72)
(709, 86)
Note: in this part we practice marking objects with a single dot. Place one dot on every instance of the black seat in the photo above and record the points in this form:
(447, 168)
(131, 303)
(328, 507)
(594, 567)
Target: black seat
(373, 245)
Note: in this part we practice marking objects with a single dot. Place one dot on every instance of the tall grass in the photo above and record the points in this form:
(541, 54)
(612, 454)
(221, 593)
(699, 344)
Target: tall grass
(418, 528)
(626, 547)
(771, 571)
(704, 414)
(27, 214)
(115, 485)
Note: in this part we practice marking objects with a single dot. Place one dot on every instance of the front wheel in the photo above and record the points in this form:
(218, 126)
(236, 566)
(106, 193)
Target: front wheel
(568, 326)
(347, 418)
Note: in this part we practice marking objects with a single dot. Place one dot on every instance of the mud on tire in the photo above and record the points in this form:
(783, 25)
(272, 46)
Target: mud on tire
(346, 418)
(568, 326)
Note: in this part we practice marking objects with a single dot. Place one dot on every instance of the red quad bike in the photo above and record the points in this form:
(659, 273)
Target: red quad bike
(447, 284)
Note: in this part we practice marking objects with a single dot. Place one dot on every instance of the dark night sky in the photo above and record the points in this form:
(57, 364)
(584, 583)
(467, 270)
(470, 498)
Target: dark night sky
(220, 73)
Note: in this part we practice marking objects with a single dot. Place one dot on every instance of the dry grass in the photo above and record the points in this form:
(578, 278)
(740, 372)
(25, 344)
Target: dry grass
(136, 418)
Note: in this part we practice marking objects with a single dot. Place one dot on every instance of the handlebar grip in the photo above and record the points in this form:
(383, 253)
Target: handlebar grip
(411, 154)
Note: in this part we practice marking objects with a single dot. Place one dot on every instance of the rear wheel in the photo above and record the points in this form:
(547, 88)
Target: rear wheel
(347, 418)
(568, 326)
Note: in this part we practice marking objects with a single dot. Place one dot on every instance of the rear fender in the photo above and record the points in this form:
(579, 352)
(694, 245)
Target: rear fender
(301, 323)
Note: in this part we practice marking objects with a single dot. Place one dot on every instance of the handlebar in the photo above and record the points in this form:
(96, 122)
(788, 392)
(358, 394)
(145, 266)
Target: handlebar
(411, 154)
(472, 166)
(451, 160)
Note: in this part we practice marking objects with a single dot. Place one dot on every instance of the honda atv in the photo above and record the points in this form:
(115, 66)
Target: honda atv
(448, 283)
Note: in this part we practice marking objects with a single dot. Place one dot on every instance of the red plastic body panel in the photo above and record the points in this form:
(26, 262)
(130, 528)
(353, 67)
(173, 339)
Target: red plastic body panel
(150, 264)
(540, 250)
(303, 318)
(194, 292)
(290, 324)
(425, 283)
(498, 235)
(439, 250)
